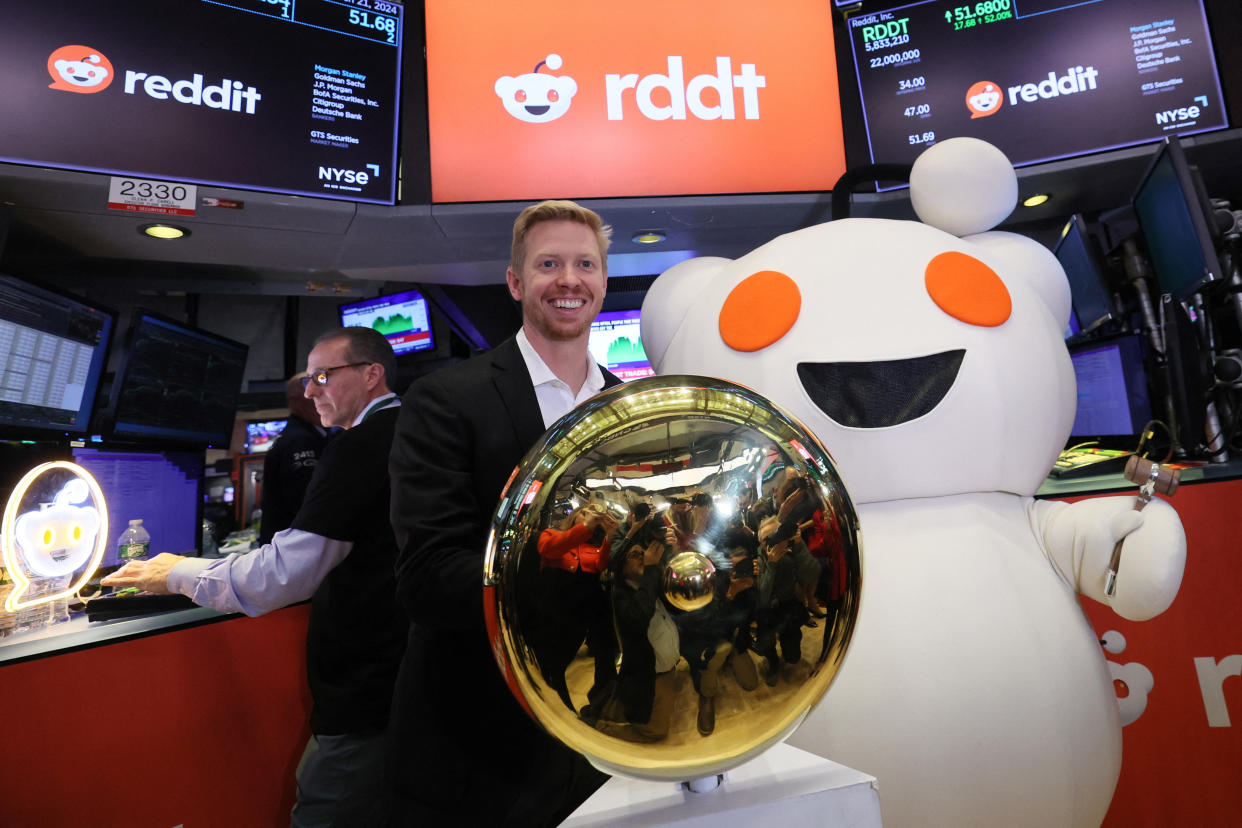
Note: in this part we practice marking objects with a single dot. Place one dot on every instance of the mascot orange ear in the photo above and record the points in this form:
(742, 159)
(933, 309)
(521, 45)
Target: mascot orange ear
(760, 310)
(967, 289)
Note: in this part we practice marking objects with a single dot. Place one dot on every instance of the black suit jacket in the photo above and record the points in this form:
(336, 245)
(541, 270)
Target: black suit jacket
(464, 749)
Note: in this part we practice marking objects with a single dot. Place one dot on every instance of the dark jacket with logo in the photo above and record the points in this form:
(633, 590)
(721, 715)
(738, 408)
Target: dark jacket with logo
(287, 471)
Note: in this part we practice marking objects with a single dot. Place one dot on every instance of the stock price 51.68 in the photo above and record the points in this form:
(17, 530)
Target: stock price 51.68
(989, 11)
(378, 22)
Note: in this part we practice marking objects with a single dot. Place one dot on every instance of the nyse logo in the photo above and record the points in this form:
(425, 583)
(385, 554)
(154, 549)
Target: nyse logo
(1179, 116)
(685, 96)
(344, 176)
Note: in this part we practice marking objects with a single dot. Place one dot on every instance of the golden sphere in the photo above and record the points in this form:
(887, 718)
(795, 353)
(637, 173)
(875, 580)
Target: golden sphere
(672, 577)
(689, 580)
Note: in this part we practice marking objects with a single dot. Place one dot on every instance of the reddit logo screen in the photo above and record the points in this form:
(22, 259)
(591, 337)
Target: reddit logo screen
(643, 99)
(983, 99)
(535, 97)
(79, 69)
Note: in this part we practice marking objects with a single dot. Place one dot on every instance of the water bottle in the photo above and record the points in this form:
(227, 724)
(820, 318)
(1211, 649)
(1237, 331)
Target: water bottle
(134, 543)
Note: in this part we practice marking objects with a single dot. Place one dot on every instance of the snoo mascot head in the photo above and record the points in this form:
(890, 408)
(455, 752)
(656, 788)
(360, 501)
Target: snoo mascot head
(928, 358)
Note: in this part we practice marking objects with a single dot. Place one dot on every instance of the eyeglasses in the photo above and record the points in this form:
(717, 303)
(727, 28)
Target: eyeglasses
(320, 377)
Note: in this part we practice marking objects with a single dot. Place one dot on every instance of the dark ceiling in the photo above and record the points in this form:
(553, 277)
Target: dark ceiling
(59, 226)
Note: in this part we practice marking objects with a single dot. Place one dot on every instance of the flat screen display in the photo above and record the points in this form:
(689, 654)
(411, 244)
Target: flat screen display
(1084, 267)
(403, 318)
(1072, 329)
(1113, 399)
(261, 434)
(1040, 79)
(291, 97)
(177, 383)
(53, 348)
(582, 100)
(616, 343)
(1175, 225)
(160, 488)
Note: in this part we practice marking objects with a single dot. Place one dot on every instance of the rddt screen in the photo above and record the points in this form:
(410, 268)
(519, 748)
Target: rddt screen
(1040, 79)
(293, 97)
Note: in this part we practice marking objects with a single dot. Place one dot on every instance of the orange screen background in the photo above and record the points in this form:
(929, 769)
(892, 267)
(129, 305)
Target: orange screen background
(479, 152)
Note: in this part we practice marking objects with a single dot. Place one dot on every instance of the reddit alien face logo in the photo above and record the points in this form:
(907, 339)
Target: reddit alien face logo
(983, 99)
(537, 98)
(79, 69)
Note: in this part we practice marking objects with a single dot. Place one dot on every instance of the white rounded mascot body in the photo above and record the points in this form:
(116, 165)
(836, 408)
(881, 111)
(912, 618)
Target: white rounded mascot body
(928, 358)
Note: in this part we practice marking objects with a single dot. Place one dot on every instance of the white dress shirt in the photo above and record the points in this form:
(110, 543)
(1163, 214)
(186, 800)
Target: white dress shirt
(556, 398)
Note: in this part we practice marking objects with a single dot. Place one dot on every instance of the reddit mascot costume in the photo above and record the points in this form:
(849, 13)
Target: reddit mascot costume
(928, 358)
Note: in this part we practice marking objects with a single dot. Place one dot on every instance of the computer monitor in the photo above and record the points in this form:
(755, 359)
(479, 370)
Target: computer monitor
(177, 383)
(403, 318)
(616, 343)
(54, 347)
(261, 434)
(1186, 378)
(1072, 328)
(1114, 403)
(1040, 80)
(200, 96)
(1176, 224)
(161, 488)
(1084, 267)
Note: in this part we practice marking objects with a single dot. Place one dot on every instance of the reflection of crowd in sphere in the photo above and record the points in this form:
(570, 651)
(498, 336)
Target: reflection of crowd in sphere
(777, 569)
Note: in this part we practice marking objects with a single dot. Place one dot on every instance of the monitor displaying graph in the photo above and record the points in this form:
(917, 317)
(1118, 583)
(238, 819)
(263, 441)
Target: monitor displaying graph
(616, 343)
(403, 318)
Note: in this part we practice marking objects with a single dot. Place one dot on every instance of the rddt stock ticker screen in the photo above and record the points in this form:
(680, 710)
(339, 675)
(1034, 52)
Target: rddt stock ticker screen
(1040, 79)
(292, 97)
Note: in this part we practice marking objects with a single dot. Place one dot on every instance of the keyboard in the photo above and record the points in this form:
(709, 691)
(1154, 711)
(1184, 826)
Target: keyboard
(125, 606)
(1089, 461)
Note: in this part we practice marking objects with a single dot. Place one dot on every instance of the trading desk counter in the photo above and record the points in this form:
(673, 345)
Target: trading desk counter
(79, 634)
(1177, 675)
(1116, 484)
(187, 717)
(198, 718)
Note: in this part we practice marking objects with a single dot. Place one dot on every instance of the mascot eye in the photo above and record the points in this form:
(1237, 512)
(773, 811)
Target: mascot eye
(553, 96)
(759, 311)
(967, 289)
(47, 537)
(77, 533)
(520, 96)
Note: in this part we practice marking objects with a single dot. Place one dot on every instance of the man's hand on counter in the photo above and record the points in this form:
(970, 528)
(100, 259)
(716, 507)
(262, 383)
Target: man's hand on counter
(150, 575)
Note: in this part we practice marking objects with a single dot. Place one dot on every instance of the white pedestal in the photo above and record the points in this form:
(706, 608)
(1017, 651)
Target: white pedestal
(785, 786)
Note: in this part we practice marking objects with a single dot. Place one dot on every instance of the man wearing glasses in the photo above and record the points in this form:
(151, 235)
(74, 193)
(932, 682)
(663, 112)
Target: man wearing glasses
(339, 552)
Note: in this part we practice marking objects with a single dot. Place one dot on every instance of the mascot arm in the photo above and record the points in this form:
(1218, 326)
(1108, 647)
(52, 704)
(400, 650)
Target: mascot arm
(1079, 539)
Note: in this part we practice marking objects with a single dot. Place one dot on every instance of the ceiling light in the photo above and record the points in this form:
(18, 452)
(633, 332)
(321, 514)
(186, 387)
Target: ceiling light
(1036, 200)
(648, 237)
(163, 231)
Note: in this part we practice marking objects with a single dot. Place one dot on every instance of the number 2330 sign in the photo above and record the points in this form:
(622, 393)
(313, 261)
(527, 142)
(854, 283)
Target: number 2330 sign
(140, 195)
